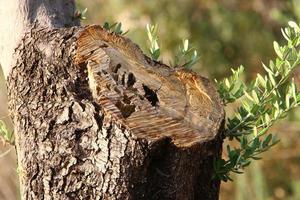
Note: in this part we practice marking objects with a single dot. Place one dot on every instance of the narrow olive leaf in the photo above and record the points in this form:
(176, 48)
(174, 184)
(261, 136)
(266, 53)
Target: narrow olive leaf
(267, 69)
(267, 141)
(255, 131)
(294, 90)
(186, 45)
(261, 80)
(118, 29)
(267, 118)
(272, 79)
(277, 49)
(153, 41)
(83, 14)
(106, 25)
(287, 101)
(255, 97)
(285, 35)
(227, 83)
(249, 96)
(294, 26)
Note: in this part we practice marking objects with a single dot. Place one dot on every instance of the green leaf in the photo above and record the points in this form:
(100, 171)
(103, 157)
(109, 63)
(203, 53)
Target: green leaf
(287, 100)
(155, 54)
(267, 69)
(153, 41)
(261, 80)
(267, 118)
(277, 50)
(255, 131)
(244, 142)
(271, 78)
(84, 11)
(118, 29)
(248, 96)
(186, 45)
(255, 144)
(294, 26)
(267, 140)
(255, 96)
(227, 83)
(285, 35)
(106, 25)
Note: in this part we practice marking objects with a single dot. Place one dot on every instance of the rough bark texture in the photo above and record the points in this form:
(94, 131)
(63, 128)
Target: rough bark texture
(17, 17)
(96, 119)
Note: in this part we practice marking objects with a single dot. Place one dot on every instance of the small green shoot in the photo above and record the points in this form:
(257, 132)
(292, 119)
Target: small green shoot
(115, 28)
(81, 14)
(153, 41)
(187, 55)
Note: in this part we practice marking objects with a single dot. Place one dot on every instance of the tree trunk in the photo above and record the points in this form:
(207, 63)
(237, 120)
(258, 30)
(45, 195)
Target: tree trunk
(17, 17)
(113, 141)
(96, 119)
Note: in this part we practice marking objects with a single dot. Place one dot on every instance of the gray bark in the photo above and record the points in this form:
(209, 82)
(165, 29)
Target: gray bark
(18, 16)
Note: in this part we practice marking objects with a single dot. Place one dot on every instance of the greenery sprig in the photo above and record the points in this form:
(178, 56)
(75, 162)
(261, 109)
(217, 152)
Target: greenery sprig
(187, 55)
(115, 28)
(81, 14)
(153, 41)
(266, 100)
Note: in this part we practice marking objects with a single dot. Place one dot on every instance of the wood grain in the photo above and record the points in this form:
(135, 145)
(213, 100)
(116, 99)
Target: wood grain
(186, 108)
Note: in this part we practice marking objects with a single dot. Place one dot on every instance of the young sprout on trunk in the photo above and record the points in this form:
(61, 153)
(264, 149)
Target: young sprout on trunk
(187, 55)
(153, 41)
(115, 28)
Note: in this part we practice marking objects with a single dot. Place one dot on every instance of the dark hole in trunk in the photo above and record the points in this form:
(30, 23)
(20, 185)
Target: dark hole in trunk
(116, 68)
(150, 95)
(131, 80)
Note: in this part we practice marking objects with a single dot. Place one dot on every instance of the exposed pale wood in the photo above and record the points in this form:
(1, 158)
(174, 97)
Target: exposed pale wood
(187, 107)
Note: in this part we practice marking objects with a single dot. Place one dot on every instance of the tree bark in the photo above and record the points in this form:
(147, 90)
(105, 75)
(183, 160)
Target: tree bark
(94, 118)
(18, 16)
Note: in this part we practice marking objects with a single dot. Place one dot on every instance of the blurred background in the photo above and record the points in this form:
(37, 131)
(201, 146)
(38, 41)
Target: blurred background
(226, 34)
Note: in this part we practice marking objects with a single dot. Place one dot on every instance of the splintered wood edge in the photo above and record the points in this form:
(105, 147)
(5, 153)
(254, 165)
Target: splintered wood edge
(126, 45)
(130, 49)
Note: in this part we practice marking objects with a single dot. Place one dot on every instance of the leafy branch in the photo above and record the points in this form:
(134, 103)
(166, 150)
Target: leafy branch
(232, 88)
(264, 102)
(187, 55)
